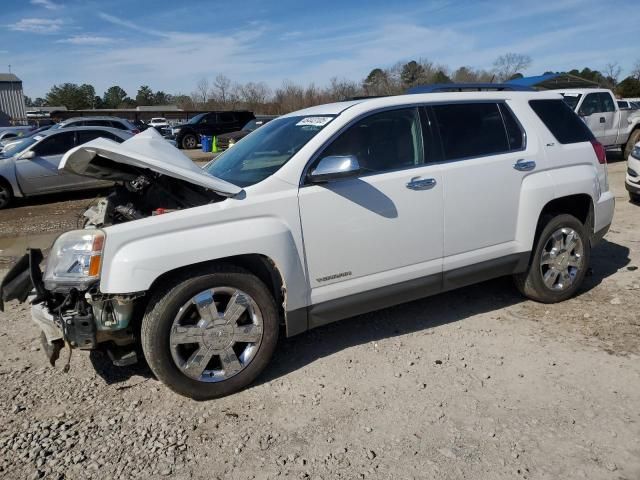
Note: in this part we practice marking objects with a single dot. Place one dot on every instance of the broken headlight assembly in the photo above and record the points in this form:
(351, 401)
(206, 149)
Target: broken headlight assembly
(74, 261)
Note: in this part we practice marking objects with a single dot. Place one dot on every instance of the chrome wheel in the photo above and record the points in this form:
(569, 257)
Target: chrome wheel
(216, 334)
(561, 259)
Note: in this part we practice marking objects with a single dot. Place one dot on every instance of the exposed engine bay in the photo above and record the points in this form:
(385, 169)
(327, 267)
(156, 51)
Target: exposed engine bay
(145, 195)
(151, 177)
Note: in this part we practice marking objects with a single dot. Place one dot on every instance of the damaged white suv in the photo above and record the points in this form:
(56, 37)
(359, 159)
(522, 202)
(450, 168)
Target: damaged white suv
(321, 214)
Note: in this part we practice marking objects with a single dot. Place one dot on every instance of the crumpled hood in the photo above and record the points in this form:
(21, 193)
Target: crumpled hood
(145, 150)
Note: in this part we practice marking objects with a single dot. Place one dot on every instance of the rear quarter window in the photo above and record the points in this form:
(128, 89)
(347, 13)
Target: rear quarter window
(561, 121)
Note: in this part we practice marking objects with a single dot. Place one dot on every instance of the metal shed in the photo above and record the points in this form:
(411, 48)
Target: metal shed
(11, 99)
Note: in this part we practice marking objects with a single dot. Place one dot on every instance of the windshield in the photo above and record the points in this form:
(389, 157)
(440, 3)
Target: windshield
(264, 151)
(251, 125)
(196, 119)
(572, 99)
(17, 147)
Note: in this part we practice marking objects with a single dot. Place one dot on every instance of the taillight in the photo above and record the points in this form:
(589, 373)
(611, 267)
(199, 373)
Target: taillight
(601, 153)
(135, 131)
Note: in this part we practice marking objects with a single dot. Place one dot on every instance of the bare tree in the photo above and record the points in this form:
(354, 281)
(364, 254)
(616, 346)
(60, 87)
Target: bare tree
(612, 72)
(507, 65)
(339, 90)
(221, 88)
(255, 94)
(635, 71)
(201, 93)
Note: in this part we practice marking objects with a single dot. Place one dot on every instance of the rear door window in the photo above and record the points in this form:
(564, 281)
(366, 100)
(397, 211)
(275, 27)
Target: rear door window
(607, 102)
(515, 134)
(561, 121)
(473, 130)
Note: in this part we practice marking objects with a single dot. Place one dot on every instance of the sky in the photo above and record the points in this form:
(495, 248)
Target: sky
(171, 45)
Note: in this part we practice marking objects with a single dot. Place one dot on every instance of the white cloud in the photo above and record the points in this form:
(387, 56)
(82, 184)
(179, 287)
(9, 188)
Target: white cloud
(48, 4)
(37, 25)
(87, 40)
(130, 25)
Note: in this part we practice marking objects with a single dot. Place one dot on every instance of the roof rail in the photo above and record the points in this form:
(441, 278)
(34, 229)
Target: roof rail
(469, 87)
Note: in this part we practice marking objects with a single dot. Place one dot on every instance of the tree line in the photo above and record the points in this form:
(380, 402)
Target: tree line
(223, 93)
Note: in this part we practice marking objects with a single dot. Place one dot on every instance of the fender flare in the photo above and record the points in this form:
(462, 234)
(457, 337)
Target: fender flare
(540, 189)
(133, 264)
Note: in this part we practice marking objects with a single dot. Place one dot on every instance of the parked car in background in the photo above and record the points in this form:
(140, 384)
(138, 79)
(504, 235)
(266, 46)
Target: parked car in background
(627, 105)
(9, 133)
(632, 180)
(5, 142)
(598, 108)
(102, 121)
(30, 167)
(187, 135)
(227, 140)
(322, 214)
(158, 123)
(140, 125)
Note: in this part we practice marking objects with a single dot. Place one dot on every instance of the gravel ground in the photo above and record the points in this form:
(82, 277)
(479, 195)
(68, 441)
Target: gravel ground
(476, 383)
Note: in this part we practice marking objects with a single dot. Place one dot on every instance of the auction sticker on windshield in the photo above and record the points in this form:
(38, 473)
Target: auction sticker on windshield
(314, 121)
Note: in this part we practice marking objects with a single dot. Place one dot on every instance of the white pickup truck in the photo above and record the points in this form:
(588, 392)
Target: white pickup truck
(612, 126)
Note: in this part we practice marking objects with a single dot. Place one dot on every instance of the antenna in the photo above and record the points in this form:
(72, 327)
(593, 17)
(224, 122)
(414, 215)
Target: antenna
(9, 68)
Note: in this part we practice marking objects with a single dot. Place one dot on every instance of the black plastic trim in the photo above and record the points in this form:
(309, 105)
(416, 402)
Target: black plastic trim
(479, 272)
(333, 310)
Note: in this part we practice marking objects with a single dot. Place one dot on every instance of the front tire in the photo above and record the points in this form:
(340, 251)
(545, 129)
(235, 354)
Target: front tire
(6, 194)
(634, 197)
(560, 261)
(211, 333)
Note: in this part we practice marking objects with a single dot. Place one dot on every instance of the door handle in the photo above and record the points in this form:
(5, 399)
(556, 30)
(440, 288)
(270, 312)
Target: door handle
(524, 165)
(418, 183)
(602, 120)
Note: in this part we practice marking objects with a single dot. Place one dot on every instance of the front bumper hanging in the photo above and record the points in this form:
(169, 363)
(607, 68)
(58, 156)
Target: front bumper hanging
(59, 326)
(24, 278)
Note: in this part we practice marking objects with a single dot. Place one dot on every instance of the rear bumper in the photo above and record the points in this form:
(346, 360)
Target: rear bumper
(604, 211)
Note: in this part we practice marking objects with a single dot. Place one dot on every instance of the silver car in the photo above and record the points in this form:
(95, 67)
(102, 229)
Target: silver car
(98, 121)
(30, 167)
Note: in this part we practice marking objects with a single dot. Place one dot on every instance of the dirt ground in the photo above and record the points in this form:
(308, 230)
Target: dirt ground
(477, 383)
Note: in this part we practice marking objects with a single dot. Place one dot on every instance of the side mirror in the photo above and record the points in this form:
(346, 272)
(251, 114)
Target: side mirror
(334, 167)
(28, 155)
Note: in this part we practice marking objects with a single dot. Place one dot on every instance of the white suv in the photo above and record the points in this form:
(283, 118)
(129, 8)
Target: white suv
(319, 215)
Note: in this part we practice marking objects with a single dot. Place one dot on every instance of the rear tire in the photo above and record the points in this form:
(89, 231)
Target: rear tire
(561, 257)
(6, 194)
(189, 141)
(202, 345)
(633, 139)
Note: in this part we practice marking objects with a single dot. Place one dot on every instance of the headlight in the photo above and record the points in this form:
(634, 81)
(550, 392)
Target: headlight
(232, 142)
(174, 131)
(636, 152)
(74, 260)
